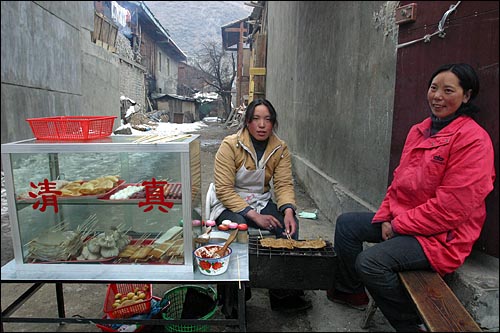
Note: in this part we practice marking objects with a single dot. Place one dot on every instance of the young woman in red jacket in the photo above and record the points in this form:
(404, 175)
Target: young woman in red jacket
(433, 210)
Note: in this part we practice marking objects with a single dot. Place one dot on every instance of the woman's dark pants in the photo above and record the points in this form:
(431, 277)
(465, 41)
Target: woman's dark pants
(275, 294)
(377, 267)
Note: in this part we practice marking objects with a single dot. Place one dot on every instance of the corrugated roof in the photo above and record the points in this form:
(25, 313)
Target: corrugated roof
(153, 20)
(174, 96)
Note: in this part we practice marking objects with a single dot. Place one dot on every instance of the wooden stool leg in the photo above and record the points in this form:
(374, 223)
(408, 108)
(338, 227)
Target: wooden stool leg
(369, 312)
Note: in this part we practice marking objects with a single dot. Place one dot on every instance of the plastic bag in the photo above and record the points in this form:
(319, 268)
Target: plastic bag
(307, 215)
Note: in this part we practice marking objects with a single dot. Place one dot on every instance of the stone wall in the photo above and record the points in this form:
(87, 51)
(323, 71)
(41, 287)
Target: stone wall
(50, 67)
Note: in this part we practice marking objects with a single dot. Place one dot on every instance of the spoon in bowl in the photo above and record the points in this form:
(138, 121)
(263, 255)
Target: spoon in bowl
(222, 251)
(203, 239)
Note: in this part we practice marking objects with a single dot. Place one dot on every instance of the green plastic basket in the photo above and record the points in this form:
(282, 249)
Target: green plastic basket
(176, 296)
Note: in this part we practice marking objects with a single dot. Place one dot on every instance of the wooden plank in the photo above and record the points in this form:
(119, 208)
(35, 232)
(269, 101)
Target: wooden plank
(260, 50)
(235, 30)
(149, 103)
(258, 71)
(97, 26)
(94, 34)
(438, 306)
(105, 32)
(259, 90)
(112, 36)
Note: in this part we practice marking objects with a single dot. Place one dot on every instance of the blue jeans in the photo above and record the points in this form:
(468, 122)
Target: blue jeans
(270, 209)
(377, 267)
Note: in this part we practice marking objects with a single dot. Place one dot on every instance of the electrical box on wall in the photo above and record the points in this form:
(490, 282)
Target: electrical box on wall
(406, 13)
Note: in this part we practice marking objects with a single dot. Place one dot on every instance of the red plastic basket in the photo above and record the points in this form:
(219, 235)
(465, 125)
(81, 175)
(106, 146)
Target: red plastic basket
(130, 310)
(108, 328)
(71, 127)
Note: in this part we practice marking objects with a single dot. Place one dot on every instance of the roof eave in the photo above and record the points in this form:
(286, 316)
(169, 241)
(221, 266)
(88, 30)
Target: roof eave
(182, 56)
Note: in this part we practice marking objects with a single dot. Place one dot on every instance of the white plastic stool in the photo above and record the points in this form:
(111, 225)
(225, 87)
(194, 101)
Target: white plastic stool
(208, 203)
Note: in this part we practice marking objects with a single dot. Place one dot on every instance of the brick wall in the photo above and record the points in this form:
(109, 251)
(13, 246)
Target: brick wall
(132, 83)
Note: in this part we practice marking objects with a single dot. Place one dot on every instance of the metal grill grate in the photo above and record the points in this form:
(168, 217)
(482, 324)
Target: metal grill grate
(255, 248)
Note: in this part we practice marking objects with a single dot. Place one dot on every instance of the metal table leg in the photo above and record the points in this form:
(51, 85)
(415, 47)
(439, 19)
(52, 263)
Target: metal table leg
(242, 308)
(60, 300)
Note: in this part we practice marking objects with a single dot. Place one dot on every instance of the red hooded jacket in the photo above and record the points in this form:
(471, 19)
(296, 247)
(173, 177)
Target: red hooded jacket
(439, 188)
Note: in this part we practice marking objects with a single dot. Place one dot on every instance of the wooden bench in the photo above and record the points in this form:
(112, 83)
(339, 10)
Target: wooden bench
(439, 308)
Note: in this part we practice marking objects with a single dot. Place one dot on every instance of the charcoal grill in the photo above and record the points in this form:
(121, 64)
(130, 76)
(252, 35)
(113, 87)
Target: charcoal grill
(306, 269)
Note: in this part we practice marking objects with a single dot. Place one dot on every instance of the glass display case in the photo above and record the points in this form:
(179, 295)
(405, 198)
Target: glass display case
(106, 206)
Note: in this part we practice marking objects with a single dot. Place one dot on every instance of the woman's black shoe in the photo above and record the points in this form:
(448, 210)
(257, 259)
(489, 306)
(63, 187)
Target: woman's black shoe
(288, 301)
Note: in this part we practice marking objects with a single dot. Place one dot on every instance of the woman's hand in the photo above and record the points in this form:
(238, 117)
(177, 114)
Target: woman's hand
(263, 221)
(387, 232)
(290, 223)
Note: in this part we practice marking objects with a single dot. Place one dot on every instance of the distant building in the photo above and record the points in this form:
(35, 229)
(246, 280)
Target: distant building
(234, 37)
(180, 109)
(151, 63)
(192, 80)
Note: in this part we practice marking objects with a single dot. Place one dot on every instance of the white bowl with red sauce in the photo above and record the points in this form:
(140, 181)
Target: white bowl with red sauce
(209, 265)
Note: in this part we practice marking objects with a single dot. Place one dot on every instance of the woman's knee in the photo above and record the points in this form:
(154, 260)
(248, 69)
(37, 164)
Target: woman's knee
(239, 219)
(229, 215)
(366, 266)
(341, 223)
(347, 226)
(356, 226)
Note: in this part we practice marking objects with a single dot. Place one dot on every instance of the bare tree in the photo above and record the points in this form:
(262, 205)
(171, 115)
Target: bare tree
(220, 67)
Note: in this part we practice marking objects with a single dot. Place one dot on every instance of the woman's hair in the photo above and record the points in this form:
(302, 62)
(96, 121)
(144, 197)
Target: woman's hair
(467, 79)
(251, 110)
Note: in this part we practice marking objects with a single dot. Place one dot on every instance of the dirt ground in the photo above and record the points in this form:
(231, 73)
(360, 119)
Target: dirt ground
(86, 300)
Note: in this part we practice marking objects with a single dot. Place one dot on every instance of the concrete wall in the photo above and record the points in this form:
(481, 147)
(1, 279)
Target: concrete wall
(331, 74)
(166, 79)
(50, 67)
(100, 81)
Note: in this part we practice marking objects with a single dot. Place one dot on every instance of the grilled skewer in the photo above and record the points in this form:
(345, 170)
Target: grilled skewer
(143, 251)
(130, 249)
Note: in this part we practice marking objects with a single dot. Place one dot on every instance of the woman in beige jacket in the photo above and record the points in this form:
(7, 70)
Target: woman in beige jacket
(246, 165)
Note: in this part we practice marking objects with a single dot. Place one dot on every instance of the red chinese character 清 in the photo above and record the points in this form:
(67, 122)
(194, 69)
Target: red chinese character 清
(46, 194)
